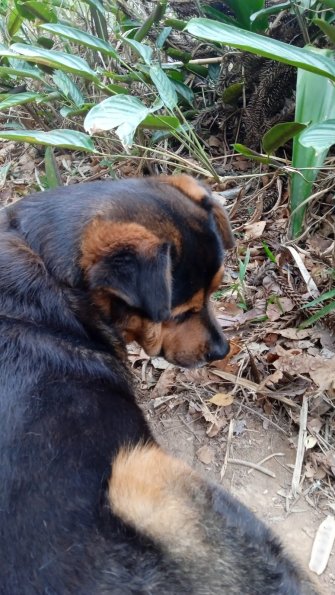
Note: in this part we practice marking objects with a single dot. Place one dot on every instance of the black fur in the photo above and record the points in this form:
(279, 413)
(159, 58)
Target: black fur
(67, 406)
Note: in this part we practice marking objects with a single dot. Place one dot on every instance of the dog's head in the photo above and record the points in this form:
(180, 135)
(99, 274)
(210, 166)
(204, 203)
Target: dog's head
(152, 263)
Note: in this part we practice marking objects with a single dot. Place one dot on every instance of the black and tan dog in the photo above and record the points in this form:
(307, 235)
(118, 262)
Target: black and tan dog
(89, 503)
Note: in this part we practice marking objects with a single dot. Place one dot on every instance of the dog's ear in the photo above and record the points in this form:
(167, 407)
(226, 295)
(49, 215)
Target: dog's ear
(200, 194)
(130, 262)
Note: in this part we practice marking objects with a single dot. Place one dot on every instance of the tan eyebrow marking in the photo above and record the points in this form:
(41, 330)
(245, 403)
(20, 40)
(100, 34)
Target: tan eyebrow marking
(196, 302)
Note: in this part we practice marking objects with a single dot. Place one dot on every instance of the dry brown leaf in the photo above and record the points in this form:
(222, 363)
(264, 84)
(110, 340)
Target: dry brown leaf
(229, 309)
(196, 376)
(272, 379)
(205, 454)
(294, 333)
(213, 141)
(314, 424)
(271, 339)
(321, 371)
(276, 310)
(256, 312)
(254, 230)
(221, 399)
(166, 380)
(226, 363)
(215, 427)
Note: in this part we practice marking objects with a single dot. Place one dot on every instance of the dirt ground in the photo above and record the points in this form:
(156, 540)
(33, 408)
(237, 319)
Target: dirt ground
(296, 523)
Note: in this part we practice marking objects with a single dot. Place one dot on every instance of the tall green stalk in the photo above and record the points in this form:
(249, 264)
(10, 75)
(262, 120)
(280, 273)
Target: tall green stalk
(315, 103)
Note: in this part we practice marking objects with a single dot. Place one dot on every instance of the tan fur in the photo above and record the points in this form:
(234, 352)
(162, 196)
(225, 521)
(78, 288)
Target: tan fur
(217, 280)
(145, 333)
(152, 491)
(186, 343)
(196, 302)
(187, 185)
(196, 192)
(102, 237)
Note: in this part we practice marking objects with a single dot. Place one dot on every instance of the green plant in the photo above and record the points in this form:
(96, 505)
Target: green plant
(315, 104)
(97, 84)
(322, 312)
(239, 286)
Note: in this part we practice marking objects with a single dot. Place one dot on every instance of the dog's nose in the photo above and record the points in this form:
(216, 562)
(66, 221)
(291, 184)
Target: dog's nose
(218, 350)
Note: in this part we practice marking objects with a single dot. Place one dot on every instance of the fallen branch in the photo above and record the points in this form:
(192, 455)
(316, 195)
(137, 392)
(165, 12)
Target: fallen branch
(253, 466)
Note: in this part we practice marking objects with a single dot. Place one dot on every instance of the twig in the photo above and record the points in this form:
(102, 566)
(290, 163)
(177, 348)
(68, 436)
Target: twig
(252, 465)
(200, 61)
(274, 454)
(301, 448)
(229, 438)
(253, 386)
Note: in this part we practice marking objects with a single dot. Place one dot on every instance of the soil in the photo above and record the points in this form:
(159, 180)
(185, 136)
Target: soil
(296, 522)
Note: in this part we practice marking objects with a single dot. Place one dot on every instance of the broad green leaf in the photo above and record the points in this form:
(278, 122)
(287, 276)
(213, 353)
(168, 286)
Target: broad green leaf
(243, 10)
(279, 134)
(31, 10)
(329, 3)
(260, 17)
(14, 22)
(263, 46)
(81, 37)
(320, 136)
(162, 37)
(164, 87)
(20, 99)
(144, 51)
(217, 15)
(153, 122)
(117, 89)
(53, 59)
(183, 90)
(122, 112)
(318, 315)
(97, 5)
(243, 150)
(7, 53)
(315, 103)
(68, 112)
(52, 174)
(325, 296)
(66, 139)
(65, 84)
(328, 29)
(32, 73)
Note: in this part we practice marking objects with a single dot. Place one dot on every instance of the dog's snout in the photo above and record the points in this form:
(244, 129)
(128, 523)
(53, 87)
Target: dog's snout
(219, 349)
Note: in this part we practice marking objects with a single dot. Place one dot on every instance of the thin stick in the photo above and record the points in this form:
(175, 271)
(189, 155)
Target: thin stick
(229, 438)
(252, 465)
(274, 454)
(301, 447)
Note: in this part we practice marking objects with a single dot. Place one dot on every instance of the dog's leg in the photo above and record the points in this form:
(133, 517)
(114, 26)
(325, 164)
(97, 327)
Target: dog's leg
(220, 544)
